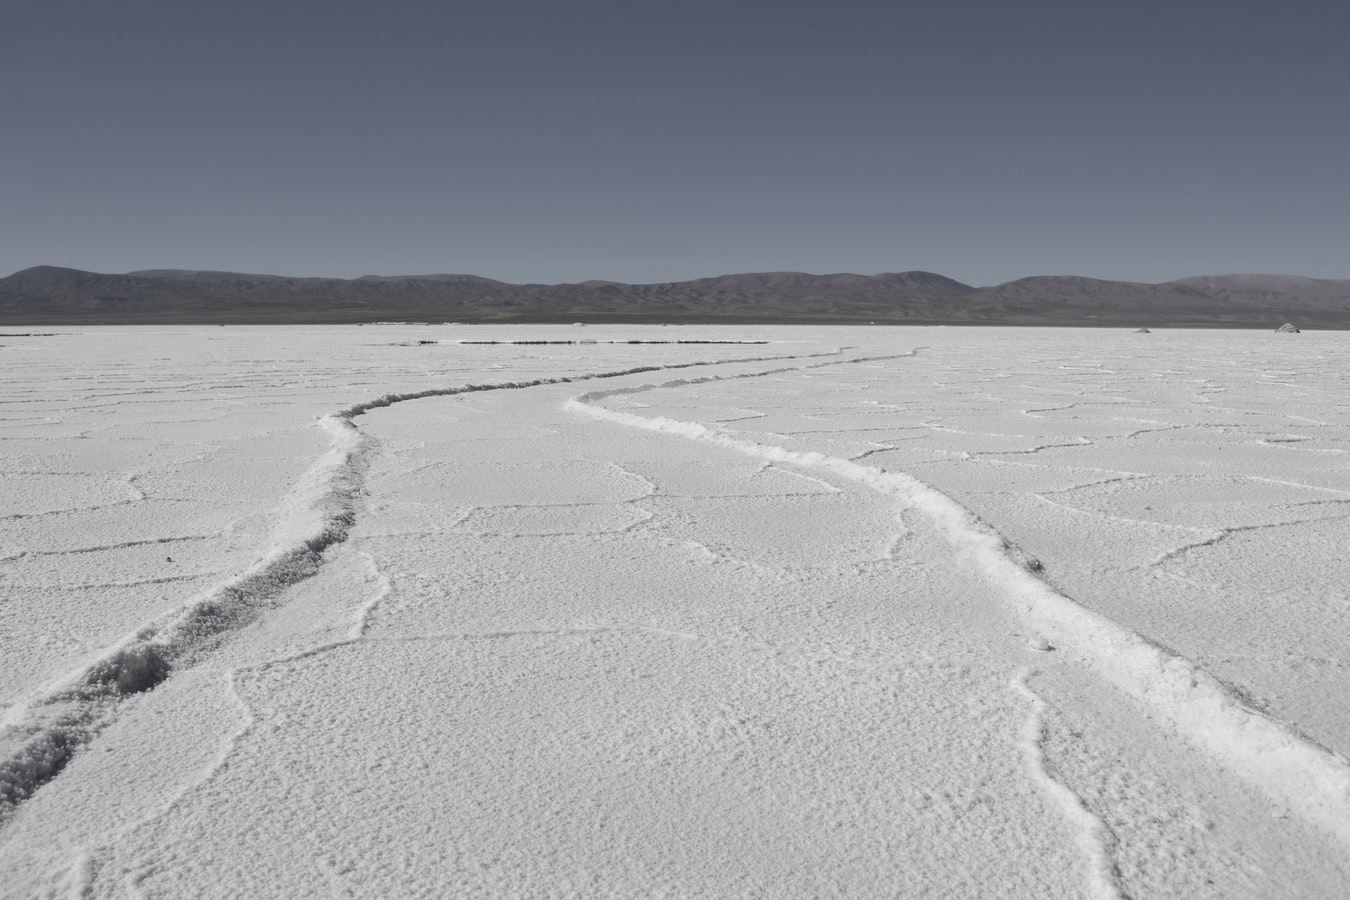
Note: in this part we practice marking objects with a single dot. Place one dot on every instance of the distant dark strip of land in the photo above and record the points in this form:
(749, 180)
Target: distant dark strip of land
(47, 295)
(594, 342)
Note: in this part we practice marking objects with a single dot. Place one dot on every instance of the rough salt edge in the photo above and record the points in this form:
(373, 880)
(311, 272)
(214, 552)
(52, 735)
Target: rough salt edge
(1292, 771)
(46, 729)
(1091, 834)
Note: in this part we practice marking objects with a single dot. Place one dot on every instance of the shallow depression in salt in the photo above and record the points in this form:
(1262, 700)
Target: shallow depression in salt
(389, 611)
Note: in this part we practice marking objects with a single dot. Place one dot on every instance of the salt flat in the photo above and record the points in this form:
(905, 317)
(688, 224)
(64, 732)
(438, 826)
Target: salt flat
(371, 611)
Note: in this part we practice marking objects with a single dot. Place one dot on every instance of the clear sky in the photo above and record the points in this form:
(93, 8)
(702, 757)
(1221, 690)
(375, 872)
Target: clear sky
(653, 141)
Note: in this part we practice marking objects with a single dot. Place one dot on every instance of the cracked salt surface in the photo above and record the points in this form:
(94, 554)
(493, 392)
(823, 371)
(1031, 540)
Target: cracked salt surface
(544, 647)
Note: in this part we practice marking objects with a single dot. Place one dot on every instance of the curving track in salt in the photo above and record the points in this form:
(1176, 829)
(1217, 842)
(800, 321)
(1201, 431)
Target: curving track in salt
(1293, 771)
(43, 731)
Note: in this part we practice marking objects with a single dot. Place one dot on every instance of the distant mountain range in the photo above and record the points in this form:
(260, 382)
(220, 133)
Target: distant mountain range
(47, 295)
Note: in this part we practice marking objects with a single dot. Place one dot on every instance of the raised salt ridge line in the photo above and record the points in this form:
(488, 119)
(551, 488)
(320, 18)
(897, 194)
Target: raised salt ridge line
(40, 735)
(1092, 836)
(1291, 770)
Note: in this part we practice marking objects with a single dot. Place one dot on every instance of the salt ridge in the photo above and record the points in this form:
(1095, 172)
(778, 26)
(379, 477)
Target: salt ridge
(41, 734)
(1092, 835)
(1291, 770)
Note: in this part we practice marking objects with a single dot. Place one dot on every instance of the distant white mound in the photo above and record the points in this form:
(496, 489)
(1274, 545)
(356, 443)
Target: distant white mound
(1288, 328)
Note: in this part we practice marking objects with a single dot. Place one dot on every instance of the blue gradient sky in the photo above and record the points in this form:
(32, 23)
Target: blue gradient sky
(641, 141)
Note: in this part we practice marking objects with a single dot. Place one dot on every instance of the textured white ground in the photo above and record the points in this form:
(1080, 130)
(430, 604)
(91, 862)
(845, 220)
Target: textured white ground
(853, 612)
